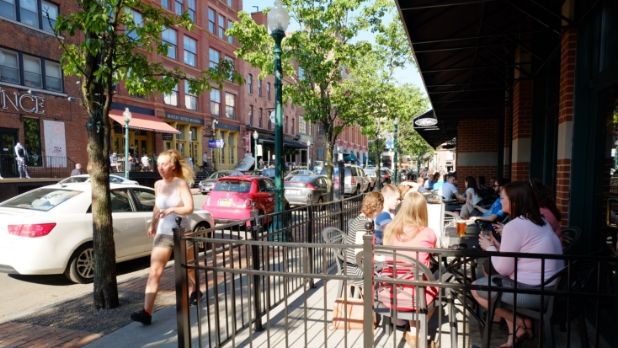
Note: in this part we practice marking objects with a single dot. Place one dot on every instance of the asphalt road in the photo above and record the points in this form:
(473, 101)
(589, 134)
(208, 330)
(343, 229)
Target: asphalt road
(23, 295)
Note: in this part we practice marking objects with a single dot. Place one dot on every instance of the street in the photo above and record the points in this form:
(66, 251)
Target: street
(23, 295)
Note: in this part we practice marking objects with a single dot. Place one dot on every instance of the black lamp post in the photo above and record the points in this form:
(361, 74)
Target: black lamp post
(255, 148)
(278, 20)
(396, 148)
(127, 119)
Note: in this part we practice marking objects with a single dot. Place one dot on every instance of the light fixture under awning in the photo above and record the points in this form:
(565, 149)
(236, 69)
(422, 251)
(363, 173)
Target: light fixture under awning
(143, 122)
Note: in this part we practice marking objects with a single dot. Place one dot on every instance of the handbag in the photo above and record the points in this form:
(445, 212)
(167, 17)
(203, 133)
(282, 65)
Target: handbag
(348, 314)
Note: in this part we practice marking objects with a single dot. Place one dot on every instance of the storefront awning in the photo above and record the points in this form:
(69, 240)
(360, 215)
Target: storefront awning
(144, 122)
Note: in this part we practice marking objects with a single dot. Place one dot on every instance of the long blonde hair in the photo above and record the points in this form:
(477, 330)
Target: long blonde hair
(412, 212)
(181, 167)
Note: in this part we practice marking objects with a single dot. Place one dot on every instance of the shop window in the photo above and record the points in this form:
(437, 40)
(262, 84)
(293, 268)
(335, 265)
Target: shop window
(9, 66)
(169, 39)
(7, 9)
(211, 20)
(191, 10)
(249, 82)
(181, 135)
(193, 131)
(213, 58)
(53, 76)
(232, 140)
(32, 72)
(172, 97)
(190, 97)
(32, 133)
(230, 105)
(190, 47)
(215, 101)
(221, 27)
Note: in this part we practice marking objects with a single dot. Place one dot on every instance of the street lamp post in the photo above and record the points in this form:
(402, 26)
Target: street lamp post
(278, 20)
(255, 152)
(212, 150)
(395, 146)
(127, 119)
(308, 154)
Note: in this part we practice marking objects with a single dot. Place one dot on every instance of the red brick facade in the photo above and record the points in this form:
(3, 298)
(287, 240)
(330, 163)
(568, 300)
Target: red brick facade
(474, 146)
(521, 128)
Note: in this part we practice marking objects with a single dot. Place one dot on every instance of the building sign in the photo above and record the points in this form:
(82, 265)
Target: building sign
(182, 118)
(55, 143)
(215, 143)
(21, 102)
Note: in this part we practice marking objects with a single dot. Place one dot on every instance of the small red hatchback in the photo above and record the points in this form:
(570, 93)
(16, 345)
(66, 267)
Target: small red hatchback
(232, 197)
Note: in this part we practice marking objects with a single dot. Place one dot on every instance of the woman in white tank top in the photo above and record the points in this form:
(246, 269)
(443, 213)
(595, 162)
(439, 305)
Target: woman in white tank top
(173, 199)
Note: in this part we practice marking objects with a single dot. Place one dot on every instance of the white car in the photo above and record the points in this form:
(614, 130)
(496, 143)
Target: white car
(48, 230)
(113, 179)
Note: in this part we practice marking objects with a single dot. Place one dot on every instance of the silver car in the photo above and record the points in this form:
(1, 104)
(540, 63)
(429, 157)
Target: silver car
(207, 184)
(306, 189)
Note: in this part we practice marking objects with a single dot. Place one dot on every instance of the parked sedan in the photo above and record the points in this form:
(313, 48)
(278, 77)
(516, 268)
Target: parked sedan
(113, 179)
(306, 189)
(207, 184)
(296, 172)
(48, 230)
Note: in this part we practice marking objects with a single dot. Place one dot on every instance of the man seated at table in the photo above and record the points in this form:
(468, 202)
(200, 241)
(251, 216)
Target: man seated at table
(450, 194)
(494, 213)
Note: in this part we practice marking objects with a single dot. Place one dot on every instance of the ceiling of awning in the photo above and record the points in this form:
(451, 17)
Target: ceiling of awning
(466, 49)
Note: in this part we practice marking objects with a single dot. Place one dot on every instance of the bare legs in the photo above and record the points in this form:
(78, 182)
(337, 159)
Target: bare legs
(523, 327)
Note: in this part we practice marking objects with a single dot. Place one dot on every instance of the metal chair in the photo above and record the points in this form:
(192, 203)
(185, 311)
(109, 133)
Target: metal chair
(333, 235)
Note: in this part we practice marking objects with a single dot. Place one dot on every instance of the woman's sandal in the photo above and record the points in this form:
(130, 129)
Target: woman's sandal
(526, 335)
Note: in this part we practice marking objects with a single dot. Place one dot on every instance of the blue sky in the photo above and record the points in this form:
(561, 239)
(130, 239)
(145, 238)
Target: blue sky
(407, 75)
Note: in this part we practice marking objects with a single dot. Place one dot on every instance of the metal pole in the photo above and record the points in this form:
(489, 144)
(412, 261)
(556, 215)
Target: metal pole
(255, 156)
(278, 35)
(126, 149)
(183, 321)
(395, 159)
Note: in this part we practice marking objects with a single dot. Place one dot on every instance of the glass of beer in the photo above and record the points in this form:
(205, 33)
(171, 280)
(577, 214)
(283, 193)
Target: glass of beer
(461, 228)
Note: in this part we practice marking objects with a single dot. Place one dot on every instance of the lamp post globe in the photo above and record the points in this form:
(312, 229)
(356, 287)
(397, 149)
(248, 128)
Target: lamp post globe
(126, 114)
(278, 20)
(255, 136)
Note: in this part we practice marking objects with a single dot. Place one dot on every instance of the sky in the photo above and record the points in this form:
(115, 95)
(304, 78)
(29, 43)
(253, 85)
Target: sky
(408, 74)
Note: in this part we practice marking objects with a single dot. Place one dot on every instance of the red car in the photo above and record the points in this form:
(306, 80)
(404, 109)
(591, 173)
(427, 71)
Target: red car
(232, 197)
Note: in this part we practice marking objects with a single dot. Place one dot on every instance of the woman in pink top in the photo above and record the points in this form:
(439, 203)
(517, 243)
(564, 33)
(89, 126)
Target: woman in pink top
(409, 230)
(527, 232)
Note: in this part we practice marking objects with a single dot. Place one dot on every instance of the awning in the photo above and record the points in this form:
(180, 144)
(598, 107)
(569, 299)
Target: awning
(144, 122)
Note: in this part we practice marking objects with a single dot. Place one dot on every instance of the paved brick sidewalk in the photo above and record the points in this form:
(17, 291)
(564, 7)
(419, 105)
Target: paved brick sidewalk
(76, 323)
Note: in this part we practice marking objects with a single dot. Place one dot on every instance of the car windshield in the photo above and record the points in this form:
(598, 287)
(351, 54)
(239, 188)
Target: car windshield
(233, 186)
(42, 199)
(73, 179)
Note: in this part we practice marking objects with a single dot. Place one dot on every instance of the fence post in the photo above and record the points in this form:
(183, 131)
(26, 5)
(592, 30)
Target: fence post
(342, 221)
(182, 292)
(368, 284)
(255, 259)
(310, 228)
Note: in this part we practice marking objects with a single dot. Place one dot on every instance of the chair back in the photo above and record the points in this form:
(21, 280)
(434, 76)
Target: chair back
(570, 238)
(333, 235)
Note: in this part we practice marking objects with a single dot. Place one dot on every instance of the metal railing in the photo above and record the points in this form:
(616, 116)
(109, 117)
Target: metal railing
(261, 282)
(45, 166)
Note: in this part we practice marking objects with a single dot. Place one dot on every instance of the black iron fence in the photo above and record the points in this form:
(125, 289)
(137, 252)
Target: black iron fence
(271, 280)
(41, 166)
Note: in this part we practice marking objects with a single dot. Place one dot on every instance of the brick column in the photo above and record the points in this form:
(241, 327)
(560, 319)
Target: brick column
(568, 51)
(477, 150)
(522, 129)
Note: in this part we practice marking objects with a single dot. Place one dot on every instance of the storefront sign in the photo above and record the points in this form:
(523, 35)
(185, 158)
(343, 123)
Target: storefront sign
(55, 143)
(21, 102)
(215, 144)
(183, 118)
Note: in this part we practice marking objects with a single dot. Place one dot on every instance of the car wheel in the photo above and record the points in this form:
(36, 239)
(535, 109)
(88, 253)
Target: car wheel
(81, 265)
(201, 230)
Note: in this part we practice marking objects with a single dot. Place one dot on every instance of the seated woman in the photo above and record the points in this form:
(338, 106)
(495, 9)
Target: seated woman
(526, 232)
(472, 198)
(370, 208)
(409, 229)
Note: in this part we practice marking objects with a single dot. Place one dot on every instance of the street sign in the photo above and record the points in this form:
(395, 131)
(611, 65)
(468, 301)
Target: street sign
(215, 144)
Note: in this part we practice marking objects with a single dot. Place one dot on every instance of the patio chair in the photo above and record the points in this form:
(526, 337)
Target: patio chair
(570, 238)
(396, 301)
(333, 235)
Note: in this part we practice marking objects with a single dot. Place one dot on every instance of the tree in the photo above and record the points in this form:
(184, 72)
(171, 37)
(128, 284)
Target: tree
(104, 44)
(323, 48)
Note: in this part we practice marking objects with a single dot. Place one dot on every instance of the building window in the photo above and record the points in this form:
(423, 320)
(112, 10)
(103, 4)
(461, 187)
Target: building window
(249, 83)
(230, 3)
(165, 4)
(138, 21)
(213, 58)
(292, 131)
(7, 9)
(32, 72)
(178, 7)
(251, 115)
(211, 20)
(221, 27)
(302, 125)
(9, 67)
(172, 97)
(268, 90)
(192, 10)
(28, 13)
(190, 97)
(230, 39)
(190, 47)
(285, 126)
(53, 76)
(230, 60)
(169, 38)
(49, 15)
(32, 134)
(230, 105)
(301, 74)
(259, 87)
(261, 117)
(215, 101)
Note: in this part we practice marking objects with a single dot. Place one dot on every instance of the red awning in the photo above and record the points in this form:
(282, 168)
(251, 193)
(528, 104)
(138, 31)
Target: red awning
(144, 122)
